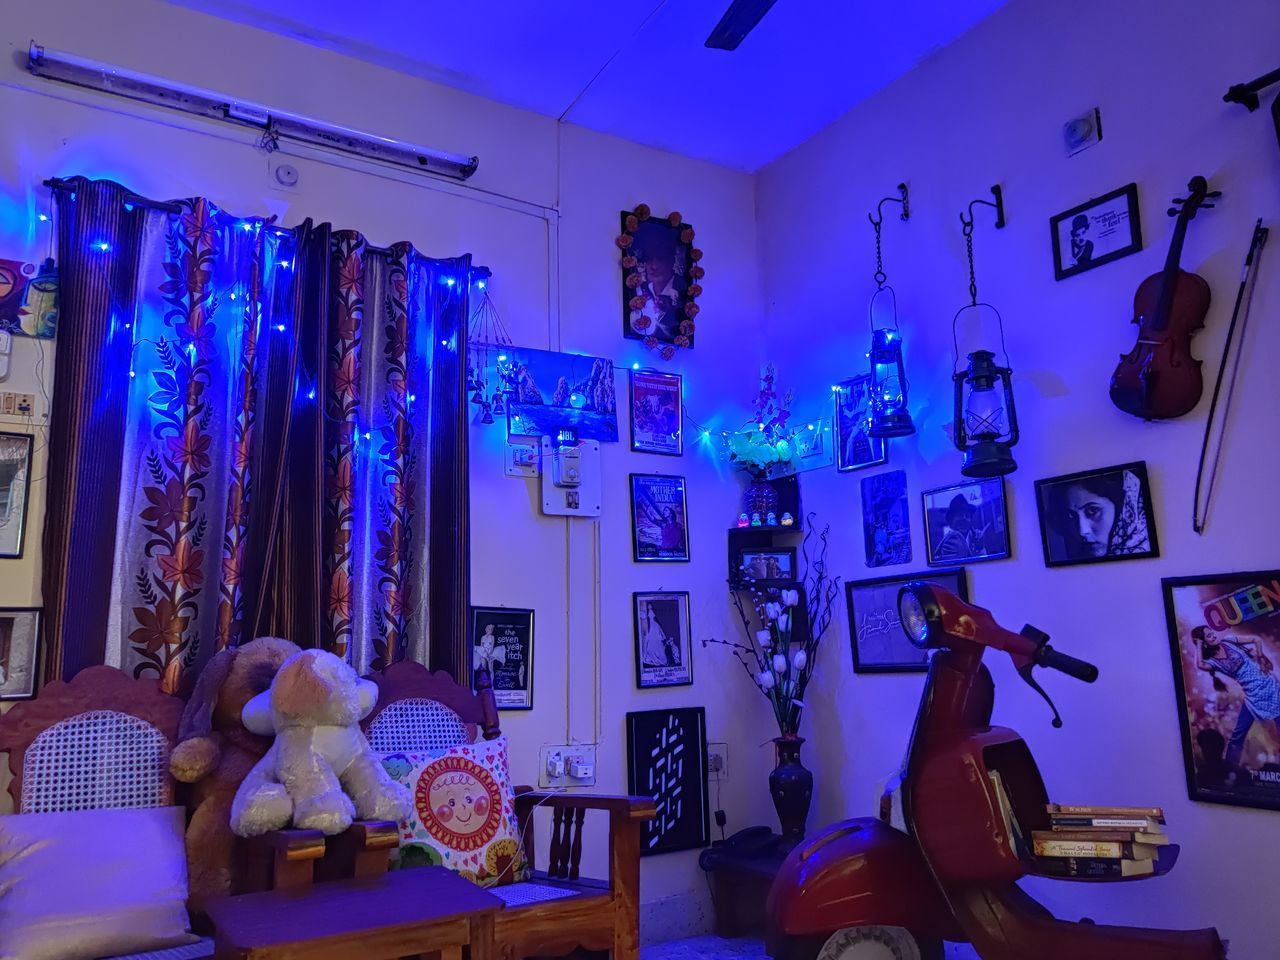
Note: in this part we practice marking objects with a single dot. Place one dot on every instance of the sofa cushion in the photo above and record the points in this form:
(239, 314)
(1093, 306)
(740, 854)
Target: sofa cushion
(90, 883)
(463, 812)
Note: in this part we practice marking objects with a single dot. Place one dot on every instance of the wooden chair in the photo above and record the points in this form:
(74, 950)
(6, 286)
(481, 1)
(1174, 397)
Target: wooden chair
(101, 741)
(557, 911)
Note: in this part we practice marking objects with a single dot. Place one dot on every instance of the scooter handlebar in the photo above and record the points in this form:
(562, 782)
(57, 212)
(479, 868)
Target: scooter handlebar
(1080, 669)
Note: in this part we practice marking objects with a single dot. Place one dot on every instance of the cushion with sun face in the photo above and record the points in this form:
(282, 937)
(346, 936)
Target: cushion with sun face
(463, 814)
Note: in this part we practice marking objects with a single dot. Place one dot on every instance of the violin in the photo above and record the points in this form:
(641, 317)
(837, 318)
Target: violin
(1159, 379)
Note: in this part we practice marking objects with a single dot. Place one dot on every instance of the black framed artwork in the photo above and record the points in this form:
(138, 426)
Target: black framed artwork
(659, 519)
(886, 519)
(503, 641)
(15, 491)
(875, 630)
(1096, 516)
(19, 651)
(667, 761)
(1224, 636)
(966, 523)
(765, 567)
(657, 412)
(856, 449)
(1104, 229)
(660, 280)
(664, 648)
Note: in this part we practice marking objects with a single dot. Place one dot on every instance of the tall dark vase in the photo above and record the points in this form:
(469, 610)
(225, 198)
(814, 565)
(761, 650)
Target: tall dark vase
(761, 497)
(792, 788)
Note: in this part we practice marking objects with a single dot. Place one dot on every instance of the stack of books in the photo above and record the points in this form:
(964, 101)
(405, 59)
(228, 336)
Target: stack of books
(1099, 842)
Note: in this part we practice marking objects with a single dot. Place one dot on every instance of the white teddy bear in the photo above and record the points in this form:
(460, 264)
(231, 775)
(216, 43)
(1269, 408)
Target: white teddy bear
(319, 773)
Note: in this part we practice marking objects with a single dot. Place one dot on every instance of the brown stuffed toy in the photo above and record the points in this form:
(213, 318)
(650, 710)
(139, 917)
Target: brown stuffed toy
(215, 752)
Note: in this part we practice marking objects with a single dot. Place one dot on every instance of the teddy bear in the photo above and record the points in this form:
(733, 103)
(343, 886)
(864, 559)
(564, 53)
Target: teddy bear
(215, 752)
(320, 773)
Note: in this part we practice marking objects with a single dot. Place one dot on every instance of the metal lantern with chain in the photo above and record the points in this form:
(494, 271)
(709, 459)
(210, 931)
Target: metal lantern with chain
(889, 415)
(986, 420)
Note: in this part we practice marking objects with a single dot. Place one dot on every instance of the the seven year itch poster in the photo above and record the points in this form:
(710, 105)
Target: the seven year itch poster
(503, 638)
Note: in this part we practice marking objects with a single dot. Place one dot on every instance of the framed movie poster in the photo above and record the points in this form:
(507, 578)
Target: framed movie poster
(1224, 632)
(855, 447)
(1105, 228)
(659, 521)
(503, 640)
(966, 523)
(886, 519)
(19, 652)
(656, 413)
(664, 650)
(875, 629)
(1097, 516)
(15, 489)
(549, 392)
(667, 760)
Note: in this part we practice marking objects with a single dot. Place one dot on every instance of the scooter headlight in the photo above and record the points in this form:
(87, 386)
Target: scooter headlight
(913, 614)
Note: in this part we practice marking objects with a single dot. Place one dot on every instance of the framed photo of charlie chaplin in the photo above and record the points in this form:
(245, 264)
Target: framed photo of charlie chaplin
(1224, 634)
(875, 630)
(966, 523)
(656, 298)
(1105, 228)
(502, 638)
(664, 649)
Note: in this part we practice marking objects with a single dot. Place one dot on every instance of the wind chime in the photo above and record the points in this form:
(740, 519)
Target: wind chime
(889, 415)
(986, 422)
(488, 348)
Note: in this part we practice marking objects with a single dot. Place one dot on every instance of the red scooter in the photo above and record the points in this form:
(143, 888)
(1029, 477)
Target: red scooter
(862, 890)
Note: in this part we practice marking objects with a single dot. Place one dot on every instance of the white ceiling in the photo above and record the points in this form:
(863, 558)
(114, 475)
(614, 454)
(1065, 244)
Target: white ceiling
(645, 72)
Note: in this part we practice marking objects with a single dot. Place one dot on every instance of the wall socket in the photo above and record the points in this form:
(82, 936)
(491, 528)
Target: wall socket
(17, 404)
(717, 762)
(568, 765)
(522, 458)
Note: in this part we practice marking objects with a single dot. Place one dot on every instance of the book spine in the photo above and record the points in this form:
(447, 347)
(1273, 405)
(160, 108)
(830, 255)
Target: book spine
(1082, 848)
(1069, 810)
(1080, 867)
(1106, 823)
(1112, 836)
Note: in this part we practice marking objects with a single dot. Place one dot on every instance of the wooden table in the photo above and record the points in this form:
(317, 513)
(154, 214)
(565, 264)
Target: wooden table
(422, 912)
(740, 882)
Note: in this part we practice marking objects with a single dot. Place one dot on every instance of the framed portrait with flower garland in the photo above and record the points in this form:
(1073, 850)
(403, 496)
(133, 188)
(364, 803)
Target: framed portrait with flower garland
(661, 280)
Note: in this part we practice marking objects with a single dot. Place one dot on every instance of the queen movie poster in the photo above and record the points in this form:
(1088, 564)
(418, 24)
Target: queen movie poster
(1225, 634)
(503, 640)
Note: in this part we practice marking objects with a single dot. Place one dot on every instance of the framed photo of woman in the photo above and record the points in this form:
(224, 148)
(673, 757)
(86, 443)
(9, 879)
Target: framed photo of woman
(15, 488)
(664, 651)
(1097, 516)
(659, 519)
(502, 638)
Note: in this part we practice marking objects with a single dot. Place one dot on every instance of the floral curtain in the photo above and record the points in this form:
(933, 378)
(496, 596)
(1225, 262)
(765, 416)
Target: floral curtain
(270, 394)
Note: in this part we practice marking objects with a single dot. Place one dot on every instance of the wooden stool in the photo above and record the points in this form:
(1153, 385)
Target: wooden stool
(422, 912)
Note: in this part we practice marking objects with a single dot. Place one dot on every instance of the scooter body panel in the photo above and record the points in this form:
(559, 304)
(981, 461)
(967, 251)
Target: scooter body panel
(857, 873)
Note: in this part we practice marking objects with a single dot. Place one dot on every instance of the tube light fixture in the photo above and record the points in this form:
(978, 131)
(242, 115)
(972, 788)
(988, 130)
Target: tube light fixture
(103, 77)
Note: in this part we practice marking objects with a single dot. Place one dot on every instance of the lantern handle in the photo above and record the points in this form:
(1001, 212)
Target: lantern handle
(871, 305)
(955, 338)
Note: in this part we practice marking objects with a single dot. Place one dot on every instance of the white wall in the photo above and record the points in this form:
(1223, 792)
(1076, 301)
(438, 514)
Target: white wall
(584, 677)
(990, 109)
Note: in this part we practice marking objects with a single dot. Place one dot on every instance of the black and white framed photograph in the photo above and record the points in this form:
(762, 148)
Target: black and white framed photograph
(855, 447)
(1104, 229)
(656, 413)
(1097, 515)
(659, 519)
(875, 630)
(772, 567)
(15, 491)
(664, 649)
(667, 761)
(966, 523)
(19, 652)
(503, 641)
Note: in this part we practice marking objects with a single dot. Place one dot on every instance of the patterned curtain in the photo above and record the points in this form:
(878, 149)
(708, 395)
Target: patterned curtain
(272, 398)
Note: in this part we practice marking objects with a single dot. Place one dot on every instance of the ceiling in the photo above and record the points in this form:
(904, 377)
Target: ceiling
(639, 70)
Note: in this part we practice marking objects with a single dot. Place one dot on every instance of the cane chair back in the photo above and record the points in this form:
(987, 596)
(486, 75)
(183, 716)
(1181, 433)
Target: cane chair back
(418, 710)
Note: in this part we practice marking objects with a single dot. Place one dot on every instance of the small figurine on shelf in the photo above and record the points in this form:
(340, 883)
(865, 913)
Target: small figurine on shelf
(755, 519)
(743, 520)
(771, 520)
(788, 520)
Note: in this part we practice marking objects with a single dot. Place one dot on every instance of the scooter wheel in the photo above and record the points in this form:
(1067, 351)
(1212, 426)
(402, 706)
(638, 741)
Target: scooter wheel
(864, 943)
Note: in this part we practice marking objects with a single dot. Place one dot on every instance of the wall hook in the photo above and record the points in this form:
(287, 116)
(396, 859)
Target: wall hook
(903, 198)
(998, 206)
